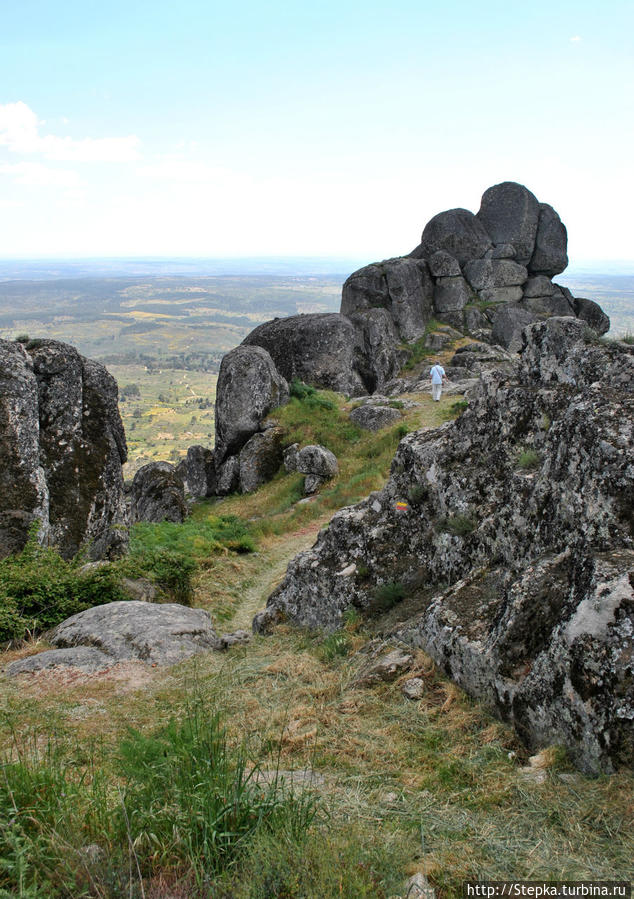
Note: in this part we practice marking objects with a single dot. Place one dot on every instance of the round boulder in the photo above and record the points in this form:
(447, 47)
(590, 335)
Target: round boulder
(458, 232)
(157, 494)
(510, 212)
(249, 387)
(318, 464)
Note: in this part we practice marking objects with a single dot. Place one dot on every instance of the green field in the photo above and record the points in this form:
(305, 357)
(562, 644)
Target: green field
(164, 412)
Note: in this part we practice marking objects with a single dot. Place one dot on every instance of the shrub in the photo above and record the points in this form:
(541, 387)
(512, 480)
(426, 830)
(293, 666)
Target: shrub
(528, 459)
(458, 525)
(386, 596)
(39, 589)
(309, 395)
(417, 494)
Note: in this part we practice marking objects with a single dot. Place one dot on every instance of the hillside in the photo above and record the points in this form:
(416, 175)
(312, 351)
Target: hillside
(436, 786)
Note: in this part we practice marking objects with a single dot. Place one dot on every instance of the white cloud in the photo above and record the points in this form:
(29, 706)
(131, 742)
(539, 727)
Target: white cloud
(35, 174)
(576, 39)
(19, 132)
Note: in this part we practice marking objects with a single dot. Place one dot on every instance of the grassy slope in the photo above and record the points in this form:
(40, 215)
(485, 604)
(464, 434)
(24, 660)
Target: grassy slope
(435, 786)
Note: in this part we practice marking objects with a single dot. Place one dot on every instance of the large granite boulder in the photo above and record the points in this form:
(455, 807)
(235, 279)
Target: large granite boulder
(62, 447)
(458, 232)
(260, 459)
(198, 472)
(157, 494)
(402, 286)
(515, 551)
(322, 349)
(380, 358)
(550, 256)
(249, 387)
(510, 213)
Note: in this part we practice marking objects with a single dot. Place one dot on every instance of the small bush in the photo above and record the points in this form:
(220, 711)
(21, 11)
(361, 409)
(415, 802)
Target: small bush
(458, 525)
(628, 338)
(458, 408)
(528, 459)
(386, 596)
(417, 494)
(39, 589)
(309, 395)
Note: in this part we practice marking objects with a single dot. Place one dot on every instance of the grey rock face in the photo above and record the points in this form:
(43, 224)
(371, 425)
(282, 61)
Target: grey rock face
(125, 631)
(508, 324)
(591, 313)
(260, 459)
(318, 464)
(510, 214)
(442, 265)
(451, 294)
(290, 458)
(157, 494)
(555, 303)
(501, 294)
(538, 619)
(386, 668)
(318, 460)
(379, 360)
(401, 286)
(158, 634)
(457, 232)
(539, 286)
(486, 273)
(322, 349)
(62, 446)
(228, 476)
(86, 658)
(249, 387)
(199, 472)
(550, 256)
(373, 418)
(503, 251)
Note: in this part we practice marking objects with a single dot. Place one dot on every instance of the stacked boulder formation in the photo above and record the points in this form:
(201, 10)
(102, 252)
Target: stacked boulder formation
(62, 446)
(510, 534)
(488, 274)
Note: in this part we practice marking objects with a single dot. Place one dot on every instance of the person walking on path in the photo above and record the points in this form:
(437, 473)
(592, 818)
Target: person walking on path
(437, 375)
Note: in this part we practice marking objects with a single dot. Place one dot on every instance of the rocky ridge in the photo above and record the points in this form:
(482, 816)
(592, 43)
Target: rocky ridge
(515, 548)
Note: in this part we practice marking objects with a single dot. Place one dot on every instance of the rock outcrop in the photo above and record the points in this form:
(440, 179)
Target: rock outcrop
(487, 274)
(157, 494)
(62, 447)
(510, 532)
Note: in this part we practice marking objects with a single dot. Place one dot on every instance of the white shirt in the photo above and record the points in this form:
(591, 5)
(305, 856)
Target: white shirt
(437, 372)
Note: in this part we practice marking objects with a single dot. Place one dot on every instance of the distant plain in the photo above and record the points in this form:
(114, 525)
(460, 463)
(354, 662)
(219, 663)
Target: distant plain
(162, 326)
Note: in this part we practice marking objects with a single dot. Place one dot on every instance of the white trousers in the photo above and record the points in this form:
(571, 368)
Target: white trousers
(436, 390)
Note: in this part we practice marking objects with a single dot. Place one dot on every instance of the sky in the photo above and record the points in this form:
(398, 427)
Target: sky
(199, 128)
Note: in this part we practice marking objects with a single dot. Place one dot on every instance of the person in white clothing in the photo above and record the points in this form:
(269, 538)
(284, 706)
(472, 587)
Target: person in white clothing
(437, 375)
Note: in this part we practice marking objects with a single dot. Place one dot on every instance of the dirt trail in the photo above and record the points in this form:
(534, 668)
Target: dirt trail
(278, 555)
